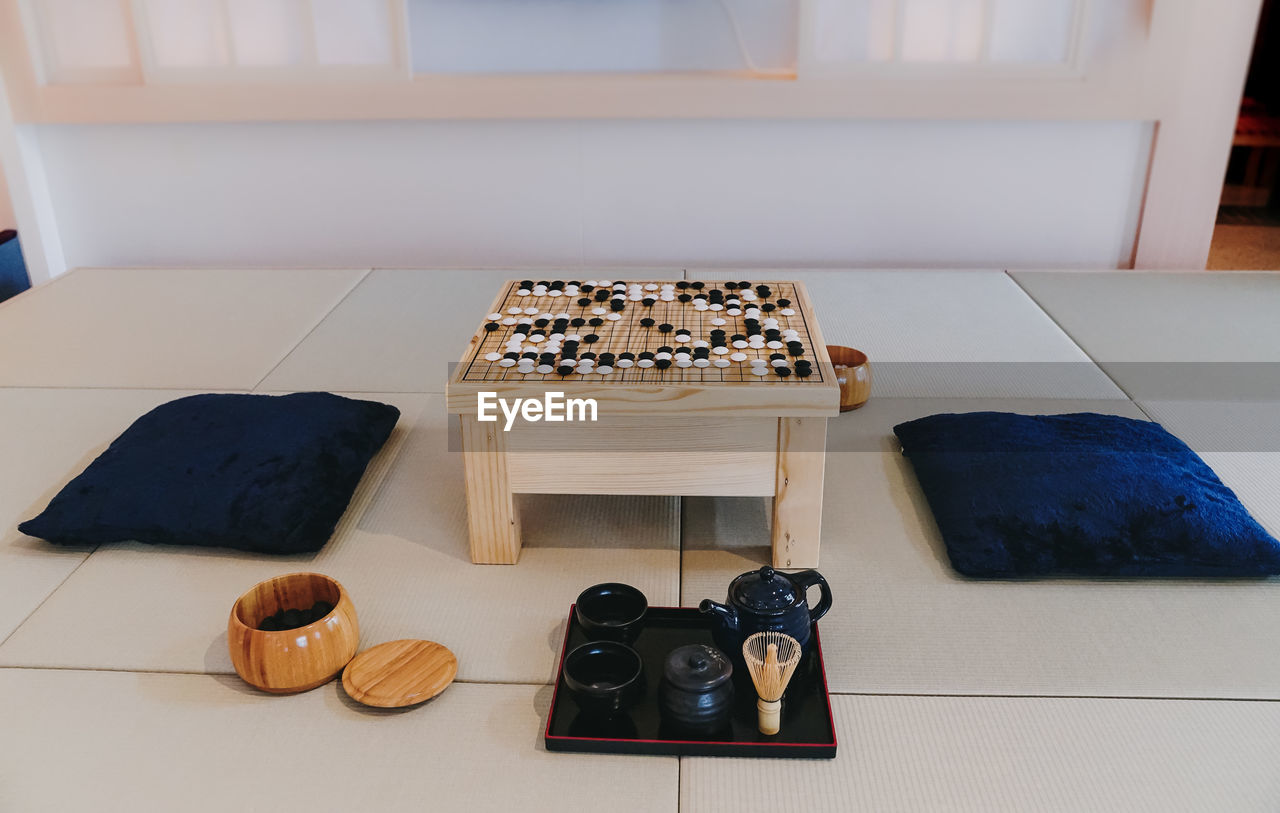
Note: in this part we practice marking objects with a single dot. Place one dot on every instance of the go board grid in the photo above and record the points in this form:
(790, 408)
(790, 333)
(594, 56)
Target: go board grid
(628, 335)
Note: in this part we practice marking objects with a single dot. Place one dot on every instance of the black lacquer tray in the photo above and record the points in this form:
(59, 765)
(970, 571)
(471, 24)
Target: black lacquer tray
(808, 729)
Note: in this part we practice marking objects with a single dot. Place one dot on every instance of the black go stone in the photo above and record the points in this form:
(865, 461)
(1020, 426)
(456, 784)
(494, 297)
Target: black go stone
(531, 356)
(647, 322)
(628, 355)
(701, 352)
(607, 358)
(662, 364)
(744, 285)
(697, 286)
(526, 284)
(541, 322)
(579, 322)
(564, 369)
(683, 351)
(768, 306)
(731, 285)
(588, 355)
(618, 304)
(511, 355)
(591, 338)
(647, 354)
(763, 291)
(543, 283)
(776, 356)
(782, 372)
(595, 321)
(584, 301)
(782, 303)
(558, 285)
(586, 289)
(491, 326)
(648, 301)
(803, 372)
(602, 294)
(684, 298)
(665, 328)
(682, 284)
(664, 349)
(738, 337)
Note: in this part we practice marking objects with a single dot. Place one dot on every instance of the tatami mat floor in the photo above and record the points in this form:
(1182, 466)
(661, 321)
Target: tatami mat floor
(950, 694)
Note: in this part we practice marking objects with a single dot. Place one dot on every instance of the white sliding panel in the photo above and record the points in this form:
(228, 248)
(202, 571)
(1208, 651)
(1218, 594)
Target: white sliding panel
(82, 40)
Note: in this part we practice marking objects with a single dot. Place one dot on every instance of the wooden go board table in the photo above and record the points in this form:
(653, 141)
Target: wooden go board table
(681, 408)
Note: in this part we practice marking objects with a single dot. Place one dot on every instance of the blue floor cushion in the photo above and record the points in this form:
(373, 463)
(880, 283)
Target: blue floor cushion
(1085, 495)
(270, 474)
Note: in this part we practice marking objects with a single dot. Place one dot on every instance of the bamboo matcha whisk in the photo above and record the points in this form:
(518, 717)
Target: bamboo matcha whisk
(771, 659)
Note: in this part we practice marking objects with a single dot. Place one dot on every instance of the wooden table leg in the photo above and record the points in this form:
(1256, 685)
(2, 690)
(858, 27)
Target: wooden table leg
(797, 498)
(491, 512)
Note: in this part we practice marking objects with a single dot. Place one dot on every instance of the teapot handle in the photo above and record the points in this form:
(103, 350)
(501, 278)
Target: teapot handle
(808, 578)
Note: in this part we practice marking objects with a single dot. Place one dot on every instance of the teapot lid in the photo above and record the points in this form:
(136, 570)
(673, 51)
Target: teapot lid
(696, 668)
(764, 590)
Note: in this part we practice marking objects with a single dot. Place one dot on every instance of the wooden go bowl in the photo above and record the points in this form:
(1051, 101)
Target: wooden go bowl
(853, 374)
(298, 659)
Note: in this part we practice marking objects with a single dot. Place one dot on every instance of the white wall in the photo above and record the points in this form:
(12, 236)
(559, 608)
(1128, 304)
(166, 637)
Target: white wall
(7, 220)
(750, 193)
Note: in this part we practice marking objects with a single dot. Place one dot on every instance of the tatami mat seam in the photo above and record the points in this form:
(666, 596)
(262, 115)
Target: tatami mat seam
(364, 276)
(36, 608)
(1067, 333)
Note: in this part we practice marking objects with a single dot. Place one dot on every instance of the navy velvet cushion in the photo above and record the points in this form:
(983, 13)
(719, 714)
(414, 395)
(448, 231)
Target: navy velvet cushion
(1083, 494)
(263, 473)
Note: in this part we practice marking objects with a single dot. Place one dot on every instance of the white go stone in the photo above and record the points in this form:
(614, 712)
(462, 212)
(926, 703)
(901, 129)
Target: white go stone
(758, 362)
(739, 357)
(752, 313)
(591, 282)
(513, 310)
(775, 345)
(492, 356)
(531, 311)
(778, 363)
(537, 338)
(734, 311)
(788, 311)
(644, 363)
(715, 306)
(604, 369)
(557, 337)
(740, 344)
(702, 362)
(493, 316)
(625, 363)
(613, 317)
(665, 356)
(507, 363)
(700, 343)
(604, 283)
(684, 361)
(653, 286)
(718, 321)
(510, 320)
(523, 292)
(555, 293)
(720, 350)
(760, 370)
(545, 368)
(573, 337)
(683, 337)
(599, 311)
(720, 362)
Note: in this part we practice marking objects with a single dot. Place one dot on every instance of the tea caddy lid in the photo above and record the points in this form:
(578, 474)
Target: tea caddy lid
(696, 668)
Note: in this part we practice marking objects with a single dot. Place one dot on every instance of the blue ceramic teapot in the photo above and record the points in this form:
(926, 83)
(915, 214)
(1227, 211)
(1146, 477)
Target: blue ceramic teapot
(767, 599)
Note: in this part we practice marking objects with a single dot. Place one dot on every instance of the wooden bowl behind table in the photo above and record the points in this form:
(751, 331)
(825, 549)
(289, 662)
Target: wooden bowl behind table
(853, 374)
(298, 659)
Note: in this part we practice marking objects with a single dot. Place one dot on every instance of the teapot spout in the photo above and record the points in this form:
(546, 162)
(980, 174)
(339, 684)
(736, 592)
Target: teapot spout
(727, 615)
